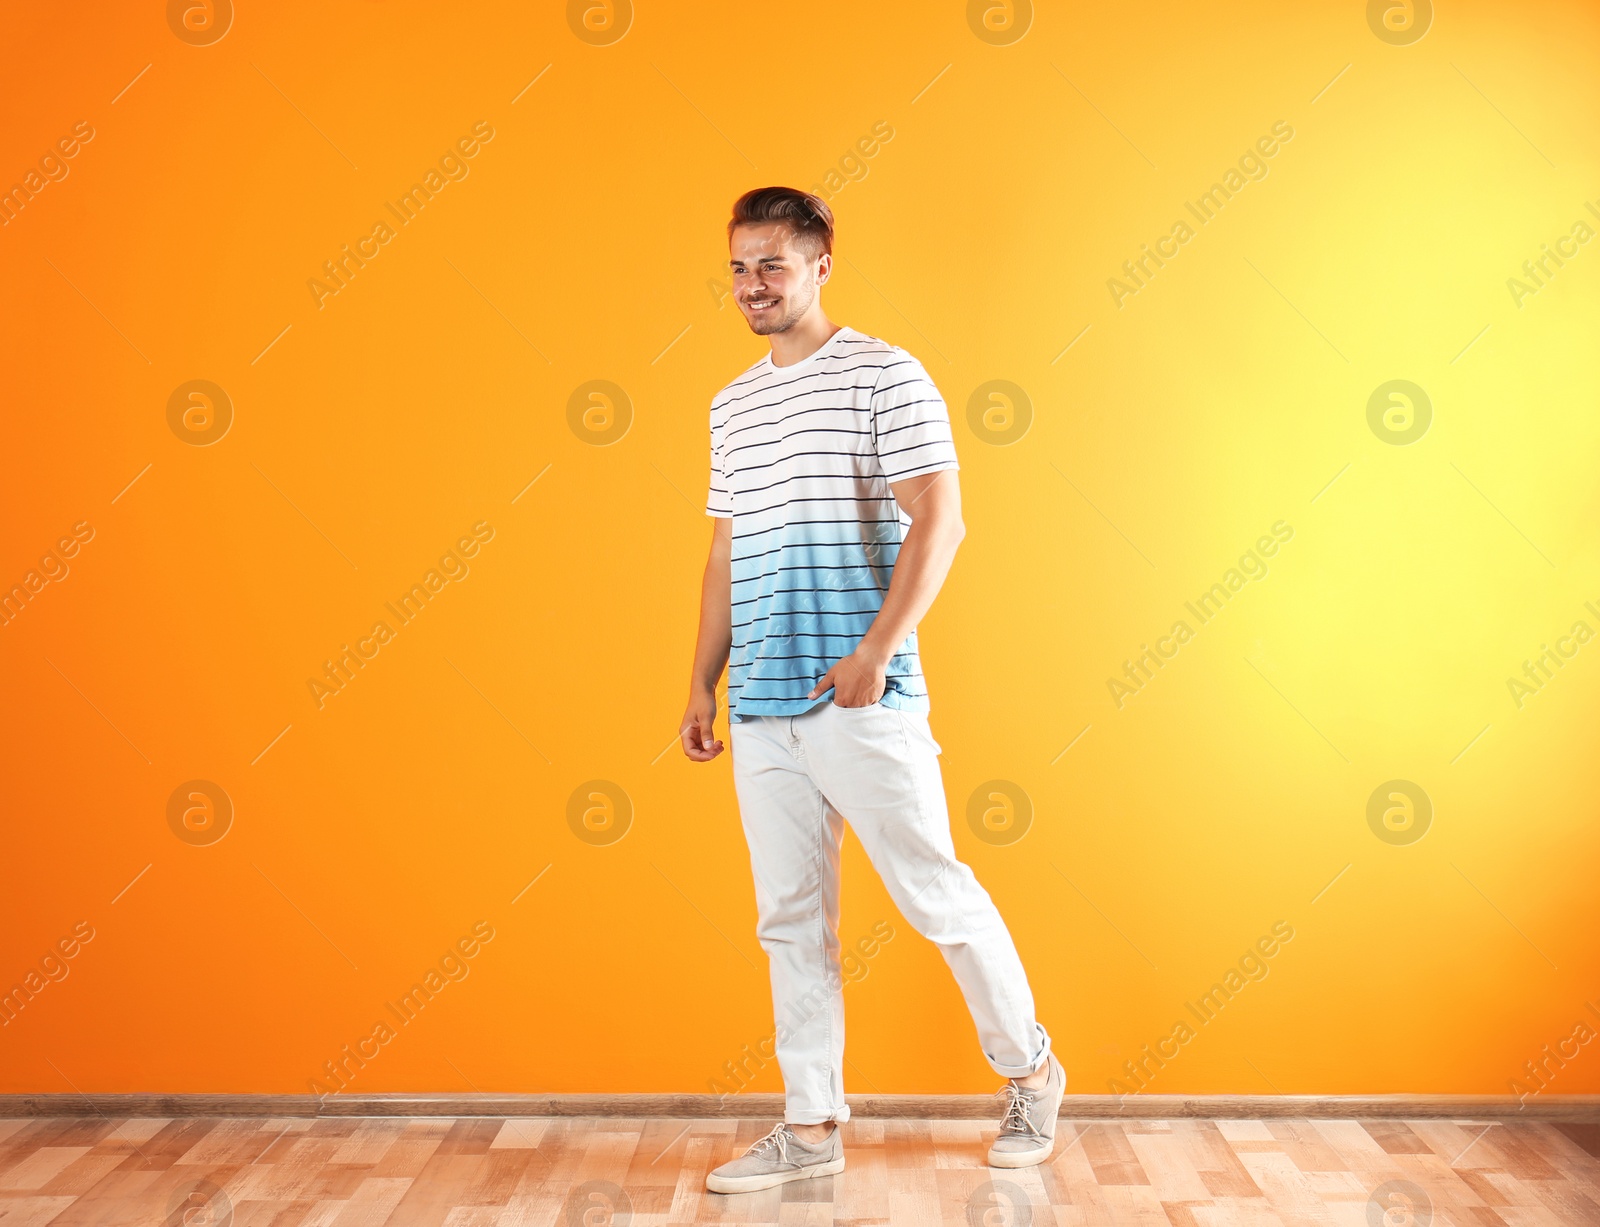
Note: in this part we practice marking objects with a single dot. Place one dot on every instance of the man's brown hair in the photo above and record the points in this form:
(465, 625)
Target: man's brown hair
(806, 215)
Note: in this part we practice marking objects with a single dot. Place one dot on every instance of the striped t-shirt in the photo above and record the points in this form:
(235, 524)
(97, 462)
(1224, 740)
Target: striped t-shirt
(801, 458)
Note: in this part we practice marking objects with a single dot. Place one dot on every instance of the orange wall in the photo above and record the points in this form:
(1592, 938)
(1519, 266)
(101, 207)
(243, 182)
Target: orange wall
(1168, 430)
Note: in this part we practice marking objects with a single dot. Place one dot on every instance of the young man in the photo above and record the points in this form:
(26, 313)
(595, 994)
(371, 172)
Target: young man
(837, 514)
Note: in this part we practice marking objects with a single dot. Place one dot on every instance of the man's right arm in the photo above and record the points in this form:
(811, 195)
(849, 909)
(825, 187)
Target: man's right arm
(712, 645)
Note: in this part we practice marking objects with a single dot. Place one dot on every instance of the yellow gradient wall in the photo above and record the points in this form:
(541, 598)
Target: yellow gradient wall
(1348, 405)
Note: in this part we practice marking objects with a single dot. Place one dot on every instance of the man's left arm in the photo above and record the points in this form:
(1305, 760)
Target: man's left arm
(933, 501)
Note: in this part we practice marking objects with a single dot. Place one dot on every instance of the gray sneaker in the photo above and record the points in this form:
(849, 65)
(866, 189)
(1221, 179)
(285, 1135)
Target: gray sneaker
(1028, 1129)
(777, 1159)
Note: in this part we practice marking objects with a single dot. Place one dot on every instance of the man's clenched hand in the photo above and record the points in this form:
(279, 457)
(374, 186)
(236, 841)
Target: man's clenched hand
(695, 731)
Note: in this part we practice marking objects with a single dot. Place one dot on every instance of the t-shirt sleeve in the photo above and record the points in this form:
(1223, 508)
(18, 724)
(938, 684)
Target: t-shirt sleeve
(910, 424)
(718, 502)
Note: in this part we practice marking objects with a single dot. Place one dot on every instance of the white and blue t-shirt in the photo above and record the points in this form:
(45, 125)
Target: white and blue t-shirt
(801, 458)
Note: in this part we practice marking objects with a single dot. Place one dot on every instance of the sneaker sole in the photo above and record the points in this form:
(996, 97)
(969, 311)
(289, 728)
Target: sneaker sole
(751, 1184)
(1021, 1158)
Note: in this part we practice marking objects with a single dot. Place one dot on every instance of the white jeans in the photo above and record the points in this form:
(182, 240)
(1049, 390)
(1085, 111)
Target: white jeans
(798, 779)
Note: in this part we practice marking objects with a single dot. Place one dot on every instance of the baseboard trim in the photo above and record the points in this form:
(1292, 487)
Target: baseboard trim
(1582, 1108)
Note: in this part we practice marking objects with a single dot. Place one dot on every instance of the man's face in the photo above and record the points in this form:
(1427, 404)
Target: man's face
(774, 282)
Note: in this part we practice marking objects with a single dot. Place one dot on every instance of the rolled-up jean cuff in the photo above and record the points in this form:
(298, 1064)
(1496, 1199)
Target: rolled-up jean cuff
(1022, 1071)
(812, 1118)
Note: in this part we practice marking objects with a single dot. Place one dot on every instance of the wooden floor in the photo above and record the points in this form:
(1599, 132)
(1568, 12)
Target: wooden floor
(587, 1172)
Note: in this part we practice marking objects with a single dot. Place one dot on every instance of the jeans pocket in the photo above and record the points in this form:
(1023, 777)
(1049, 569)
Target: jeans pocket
(920, 730)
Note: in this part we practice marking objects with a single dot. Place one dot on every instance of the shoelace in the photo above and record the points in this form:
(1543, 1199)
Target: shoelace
(779, 1137)
(1016, 1119)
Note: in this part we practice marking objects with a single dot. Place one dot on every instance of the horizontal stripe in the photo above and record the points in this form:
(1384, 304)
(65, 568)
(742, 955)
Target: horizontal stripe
(764, 367)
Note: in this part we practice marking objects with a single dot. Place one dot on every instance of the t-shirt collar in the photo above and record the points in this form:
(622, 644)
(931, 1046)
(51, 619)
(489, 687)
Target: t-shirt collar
(827, 346)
